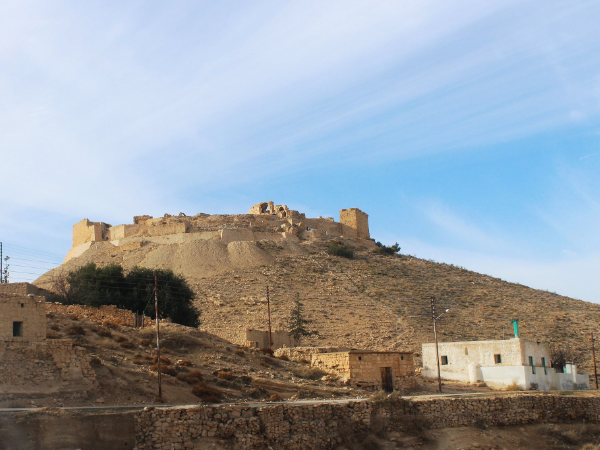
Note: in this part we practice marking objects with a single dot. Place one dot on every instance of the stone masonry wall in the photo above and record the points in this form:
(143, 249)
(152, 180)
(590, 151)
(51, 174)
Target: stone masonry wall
(104, 313)
(29, 311)
(356, 221)
(53, 360)
(301, 426)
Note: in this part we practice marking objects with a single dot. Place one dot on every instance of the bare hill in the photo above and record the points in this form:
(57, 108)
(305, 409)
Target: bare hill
(372, 301)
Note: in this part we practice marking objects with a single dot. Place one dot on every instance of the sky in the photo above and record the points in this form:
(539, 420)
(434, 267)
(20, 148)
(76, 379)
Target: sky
(469, 131)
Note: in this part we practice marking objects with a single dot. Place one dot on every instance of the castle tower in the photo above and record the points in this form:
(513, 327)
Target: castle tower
(355, 222)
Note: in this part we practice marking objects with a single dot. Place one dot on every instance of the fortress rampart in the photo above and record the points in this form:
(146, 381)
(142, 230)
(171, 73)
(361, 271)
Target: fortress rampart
(264, 221)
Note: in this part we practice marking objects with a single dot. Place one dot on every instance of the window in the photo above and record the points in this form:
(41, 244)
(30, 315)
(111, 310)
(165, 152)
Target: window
(444, 360)
(402, 357)
(498, 359)
(17, 329)
(360, 358)
(544, 366)
(532, 365)
(466, 351)
(22, 305)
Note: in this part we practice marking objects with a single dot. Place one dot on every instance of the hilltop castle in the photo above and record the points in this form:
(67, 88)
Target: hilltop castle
(264, 221)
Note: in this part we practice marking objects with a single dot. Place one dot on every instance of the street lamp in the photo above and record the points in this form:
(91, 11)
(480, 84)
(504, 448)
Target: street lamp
(437, 351)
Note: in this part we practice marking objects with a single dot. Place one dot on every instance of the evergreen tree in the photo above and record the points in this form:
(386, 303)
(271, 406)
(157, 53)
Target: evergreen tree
(297, 324)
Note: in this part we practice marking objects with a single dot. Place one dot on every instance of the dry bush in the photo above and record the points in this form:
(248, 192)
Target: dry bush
(184, 363)
(95, 361)
(127, 344)
(145, 342)
(53, 335)
(76, 330)
(576, 434)
(120, 338)
(240, 352)
(274, 398)
(163, 360)
(169, 370)
(244, 379)
(138, 361)
(193, 377)
(104, 332)
(284, 357)
(148, 357)
(206, 393)
(309, 373)
(225, 375)
(513, 387)
(55, 327)
(73, 317)
(267, 351)
(111, 324)
(171, 340)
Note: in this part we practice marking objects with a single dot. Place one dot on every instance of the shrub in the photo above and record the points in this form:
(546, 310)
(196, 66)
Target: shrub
(163, 360)
(76, 330)
(245, 379)
(55, 327)
(336, 248)
(138, 361)
(274, 398)
(110, 324)
(127, 344)
(240, 352)
(206, 393)
(184, 363)
(193, 377)
(104, 332)
(145, 342)
(267, 351)
(284, 357)
(121, 338)
(513, 387)
(226, 375)
(95, 361)
(169, 370)
(53, 335)
(309, 373)
(148, 357)
(385, 250)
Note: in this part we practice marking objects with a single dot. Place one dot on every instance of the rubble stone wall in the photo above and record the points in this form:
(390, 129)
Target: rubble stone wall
(52, 360)
(320, 425)
(104, 313)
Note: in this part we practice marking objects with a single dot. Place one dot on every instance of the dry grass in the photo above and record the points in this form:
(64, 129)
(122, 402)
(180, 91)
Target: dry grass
(225, 375)
(309, 373)
(120, 338)
(206, 393)
(193, 377)
(169, 370)
(53, 335)
(75, 330)
(104, 332)
(513, 387)
(163, 360)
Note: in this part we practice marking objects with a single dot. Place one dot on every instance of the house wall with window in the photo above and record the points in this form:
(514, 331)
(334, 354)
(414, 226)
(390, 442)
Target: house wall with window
(365, 368)
(22, 318)
(500, 363)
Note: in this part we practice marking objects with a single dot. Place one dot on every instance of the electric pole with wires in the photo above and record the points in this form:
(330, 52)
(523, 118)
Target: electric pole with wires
(157, 337)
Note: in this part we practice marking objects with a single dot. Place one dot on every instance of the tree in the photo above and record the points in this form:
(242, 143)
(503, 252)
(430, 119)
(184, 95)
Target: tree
(336, 248)
(96, 286)
(297, 324)
(5, 273)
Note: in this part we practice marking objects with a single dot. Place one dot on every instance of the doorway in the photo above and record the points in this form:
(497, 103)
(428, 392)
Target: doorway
(387, 384)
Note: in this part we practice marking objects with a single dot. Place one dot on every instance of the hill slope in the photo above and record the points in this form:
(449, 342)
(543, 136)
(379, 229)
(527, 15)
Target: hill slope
(372, 301)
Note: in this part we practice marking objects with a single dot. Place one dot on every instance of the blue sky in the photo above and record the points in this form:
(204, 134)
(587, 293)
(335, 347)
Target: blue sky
(468, 131)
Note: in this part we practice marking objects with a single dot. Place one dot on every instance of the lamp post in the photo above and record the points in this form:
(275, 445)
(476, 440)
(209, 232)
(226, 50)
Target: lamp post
(437, 350)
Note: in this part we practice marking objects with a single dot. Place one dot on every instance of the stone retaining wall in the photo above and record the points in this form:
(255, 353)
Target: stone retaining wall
(301, 426)
(104, 313)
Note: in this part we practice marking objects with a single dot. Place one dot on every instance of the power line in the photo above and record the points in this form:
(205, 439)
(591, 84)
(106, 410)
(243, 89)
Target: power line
(32, 250)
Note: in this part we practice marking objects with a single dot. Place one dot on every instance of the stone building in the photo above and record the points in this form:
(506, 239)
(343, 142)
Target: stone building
(500, 363)
(22, 315)
(368, 369)
(254, 338)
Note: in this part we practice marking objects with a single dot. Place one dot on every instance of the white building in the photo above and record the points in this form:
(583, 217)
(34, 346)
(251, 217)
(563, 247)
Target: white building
(500, 363)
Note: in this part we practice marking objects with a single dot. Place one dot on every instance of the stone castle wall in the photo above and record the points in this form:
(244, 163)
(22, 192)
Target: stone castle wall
(302, 426)
(356, 222)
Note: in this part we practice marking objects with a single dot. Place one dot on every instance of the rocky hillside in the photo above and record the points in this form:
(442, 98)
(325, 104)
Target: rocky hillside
(371, 301)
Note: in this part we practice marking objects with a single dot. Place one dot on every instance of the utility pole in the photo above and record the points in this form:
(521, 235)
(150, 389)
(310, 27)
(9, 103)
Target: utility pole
(437, 351)
(269, 315)
(157, 337)
(1, 262)
(594, 358)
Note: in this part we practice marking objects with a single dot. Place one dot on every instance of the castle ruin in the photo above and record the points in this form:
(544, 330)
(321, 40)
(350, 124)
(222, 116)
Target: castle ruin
(264, 221)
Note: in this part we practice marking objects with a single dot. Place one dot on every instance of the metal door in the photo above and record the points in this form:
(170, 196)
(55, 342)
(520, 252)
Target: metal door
(387, 384)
